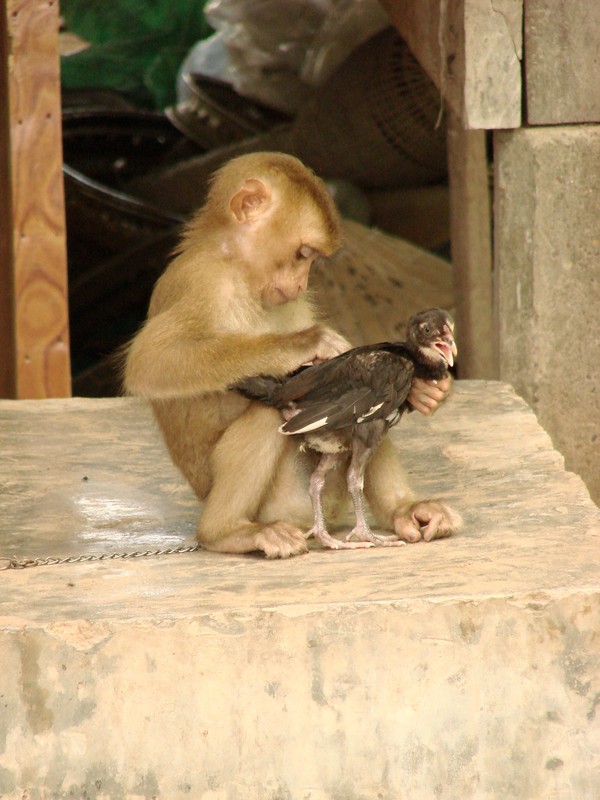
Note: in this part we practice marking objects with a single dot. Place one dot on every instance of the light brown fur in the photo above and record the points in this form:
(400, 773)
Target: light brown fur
(232, 304)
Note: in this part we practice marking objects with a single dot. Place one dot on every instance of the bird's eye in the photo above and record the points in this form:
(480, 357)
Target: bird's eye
(426, 330)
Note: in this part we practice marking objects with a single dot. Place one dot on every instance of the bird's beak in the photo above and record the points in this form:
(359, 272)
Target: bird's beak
(447, 348)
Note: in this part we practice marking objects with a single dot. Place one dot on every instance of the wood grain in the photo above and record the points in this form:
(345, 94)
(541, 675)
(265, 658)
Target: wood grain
(34, 263)
(7, 361)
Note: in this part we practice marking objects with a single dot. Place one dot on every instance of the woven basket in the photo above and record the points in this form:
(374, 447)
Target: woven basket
(374, 121)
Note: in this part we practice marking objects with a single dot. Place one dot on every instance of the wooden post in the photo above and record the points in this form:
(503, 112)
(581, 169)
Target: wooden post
(471, 241)
(34, 343)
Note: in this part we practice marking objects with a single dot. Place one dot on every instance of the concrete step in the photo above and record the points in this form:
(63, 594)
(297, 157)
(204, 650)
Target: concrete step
(464, 668)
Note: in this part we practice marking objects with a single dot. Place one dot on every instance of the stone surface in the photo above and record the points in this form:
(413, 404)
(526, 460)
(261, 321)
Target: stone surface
(465, 668)
(547, 242)
(562, 69)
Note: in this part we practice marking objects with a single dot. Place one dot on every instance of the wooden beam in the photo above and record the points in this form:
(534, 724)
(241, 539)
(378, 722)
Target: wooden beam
(472, 51)
(33, 265)
(471, 238)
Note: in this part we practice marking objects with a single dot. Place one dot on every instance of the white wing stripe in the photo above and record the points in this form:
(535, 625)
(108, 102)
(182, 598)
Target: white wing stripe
(313, 426)
(370, 412)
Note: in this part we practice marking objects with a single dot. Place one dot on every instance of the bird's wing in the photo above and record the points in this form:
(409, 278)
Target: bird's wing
(325, 380)
(340, 412)
(328, 379)
(365, 386)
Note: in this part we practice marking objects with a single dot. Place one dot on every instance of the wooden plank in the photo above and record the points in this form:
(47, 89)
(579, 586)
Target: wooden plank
(562, 70)
(471, 240)
(7, 361)
(34, 263)
(472, 50)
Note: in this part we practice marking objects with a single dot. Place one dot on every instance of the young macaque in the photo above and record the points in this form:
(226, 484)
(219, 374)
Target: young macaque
(232, 304)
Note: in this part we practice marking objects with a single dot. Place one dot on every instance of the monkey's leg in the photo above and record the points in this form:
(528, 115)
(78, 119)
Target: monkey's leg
(243, 464)
(327, 462)
(361, 453)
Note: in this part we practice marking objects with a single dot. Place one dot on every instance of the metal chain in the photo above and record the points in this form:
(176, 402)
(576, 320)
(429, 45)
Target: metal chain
(12, 562)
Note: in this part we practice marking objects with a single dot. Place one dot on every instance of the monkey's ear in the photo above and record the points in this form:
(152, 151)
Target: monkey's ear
(251, 200)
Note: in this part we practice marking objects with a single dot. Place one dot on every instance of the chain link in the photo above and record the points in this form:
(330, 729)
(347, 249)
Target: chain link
(12, 562)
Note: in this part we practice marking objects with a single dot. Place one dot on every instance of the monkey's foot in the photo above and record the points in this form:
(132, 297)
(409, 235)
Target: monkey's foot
(321, 535)
(280, 540)
(362, 533)
(427, 520)
(275, 539)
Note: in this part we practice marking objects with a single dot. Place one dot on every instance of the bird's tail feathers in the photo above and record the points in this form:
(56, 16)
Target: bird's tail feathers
(259, 387)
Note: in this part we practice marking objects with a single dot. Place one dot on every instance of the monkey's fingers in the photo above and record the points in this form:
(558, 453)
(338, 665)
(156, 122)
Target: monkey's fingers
(427, 520)
(407, 528)
(444, 522)
(426, 396)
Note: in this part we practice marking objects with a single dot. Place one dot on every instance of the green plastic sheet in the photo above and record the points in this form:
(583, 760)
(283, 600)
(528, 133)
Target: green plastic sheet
(137, 46)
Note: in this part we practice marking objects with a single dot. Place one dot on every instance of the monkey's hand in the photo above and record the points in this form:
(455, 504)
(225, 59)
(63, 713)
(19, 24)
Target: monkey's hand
(329, 345)
(427, 520)
(426, 396)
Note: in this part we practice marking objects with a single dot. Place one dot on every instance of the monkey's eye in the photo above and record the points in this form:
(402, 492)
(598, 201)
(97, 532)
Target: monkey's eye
(304, 252)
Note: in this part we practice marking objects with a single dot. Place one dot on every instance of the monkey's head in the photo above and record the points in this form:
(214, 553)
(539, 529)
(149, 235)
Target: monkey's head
(278, 217)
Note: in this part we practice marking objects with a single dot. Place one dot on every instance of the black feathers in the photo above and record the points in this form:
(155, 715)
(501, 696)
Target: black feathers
(360, 386)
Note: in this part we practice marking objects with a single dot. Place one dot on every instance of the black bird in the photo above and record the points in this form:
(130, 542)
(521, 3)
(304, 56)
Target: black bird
(349, 403)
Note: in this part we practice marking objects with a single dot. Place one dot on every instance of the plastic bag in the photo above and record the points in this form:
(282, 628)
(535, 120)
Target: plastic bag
(276, 51)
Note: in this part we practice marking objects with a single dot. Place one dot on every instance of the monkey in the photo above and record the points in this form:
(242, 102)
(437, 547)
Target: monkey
(232, 303)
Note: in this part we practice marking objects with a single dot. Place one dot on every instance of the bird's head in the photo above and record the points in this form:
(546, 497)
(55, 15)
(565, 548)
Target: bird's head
(432, 333)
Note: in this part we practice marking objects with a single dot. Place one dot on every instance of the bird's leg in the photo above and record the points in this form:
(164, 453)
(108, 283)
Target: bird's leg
(327, 462)
(361, 453)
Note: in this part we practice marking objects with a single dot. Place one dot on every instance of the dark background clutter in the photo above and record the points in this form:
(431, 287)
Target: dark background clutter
(141, 137)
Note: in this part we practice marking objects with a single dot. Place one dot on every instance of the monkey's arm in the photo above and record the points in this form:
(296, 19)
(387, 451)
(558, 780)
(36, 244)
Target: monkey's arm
(169, 359)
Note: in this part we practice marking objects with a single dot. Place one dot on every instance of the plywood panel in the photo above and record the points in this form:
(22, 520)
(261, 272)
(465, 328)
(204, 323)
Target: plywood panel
(33, 268)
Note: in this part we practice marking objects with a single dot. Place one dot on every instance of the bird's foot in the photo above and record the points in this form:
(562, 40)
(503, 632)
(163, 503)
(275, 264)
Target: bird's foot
(322, 536)
(362, 533)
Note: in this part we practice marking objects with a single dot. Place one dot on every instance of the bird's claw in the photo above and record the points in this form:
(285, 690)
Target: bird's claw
(327, 540)
(362, 534)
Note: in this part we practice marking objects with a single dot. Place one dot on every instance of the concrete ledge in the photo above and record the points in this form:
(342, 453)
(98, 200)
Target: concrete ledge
(465, 668)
